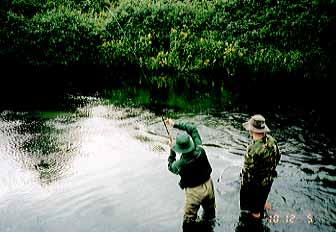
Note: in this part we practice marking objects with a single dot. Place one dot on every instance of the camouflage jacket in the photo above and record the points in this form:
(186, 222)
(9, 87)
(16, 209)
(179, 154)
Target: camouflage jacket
(260, 162)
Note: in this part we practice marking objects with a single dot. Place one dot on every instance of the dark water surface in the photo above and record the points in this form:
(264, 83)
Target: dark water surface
(102, 166)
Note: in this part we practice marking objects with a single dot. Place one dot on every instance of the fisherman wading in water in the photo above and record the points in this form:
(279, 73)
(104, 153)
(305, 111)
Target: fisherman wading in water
(259, 170)
(194, 170)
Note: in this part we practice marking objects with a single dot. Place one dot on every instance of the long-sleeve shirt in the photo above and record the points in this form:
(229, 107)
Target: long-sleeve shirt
(260, 161)
(193, 167)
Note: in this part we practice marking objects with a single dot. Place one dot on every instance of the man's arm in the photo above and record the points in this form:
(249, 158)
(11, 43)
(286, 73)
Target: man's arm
(191, 130)
(249, 167)
(173, 164)
(248, 162)
(277, 154)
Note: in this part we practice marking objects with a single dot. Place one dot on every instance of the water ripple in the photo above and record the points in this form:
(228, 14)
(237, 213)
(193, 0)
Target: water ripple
(104, 167)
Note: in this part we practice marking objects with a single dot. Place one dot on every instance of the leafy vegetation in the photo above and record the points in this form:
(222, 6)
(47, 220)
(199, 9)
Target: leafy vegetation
(170, 40)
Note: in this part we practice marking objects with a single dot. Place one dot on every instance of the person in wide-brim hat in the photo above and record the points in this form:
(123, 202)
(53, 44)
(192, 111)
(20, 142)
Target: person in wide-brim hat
(183, 144)
(259, 170)
(256, 124)
(195, 171)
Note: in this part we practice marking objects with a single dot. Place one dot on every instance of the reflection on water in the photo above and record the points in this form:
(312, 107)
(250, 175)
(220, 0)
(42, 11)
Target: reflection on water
(103, 167)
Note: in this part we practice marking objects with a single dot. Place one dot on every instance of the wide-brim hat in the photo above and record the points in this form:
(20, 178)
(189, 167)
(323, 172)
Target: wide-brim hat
(256, 124)
(184, 144)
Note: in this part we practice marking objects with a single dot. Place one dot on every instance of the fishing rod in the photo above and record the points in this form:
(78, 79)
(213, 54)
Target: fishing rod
(165, 126)
(204, 144)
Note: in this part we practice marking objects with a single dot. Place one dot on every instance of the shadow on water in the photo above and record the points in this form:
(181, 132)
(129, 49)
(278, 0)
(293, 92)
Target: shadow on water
(248, 224)
(168, 101)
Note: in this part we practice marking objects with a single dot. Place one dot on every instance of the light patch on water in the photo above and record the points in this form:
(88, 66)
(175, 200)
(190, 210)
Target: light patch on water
(14, 178)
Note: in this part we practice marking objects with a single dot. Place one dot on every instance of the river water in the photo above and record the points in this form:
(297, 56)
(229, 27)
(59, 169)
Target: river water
(101, 166)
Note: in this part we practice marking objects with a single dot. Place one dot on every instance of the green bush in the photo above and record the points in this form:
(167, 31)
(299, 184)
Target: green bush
(164, 37)
(59, 36)
(262, 36)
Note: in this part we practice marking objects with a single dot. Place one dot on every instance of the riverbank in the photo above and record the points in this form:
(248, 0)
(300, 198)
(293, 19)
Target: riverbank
(167, 40)
(33, 89)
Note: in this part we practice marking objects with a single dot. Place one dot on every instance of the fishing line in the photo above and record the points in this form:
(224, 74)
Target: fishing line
(124, 34)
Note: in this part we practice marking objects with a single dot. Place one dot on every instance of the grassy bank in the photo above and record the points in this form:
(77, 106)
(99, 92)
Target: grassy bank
(167, 41)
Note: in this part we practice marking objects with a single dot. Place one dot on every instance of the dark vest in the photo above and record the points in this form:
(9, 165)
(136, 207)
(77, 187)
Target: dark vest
(196, 170)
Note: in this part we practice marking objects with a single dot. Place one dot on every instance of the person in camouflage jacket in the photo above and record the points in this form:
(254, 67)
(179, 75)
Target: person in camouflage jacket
(259, 170)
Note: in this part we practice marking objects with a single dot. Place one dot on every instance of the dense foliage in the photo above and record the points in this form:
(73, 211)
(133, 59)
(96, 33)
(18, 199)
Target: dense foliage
(288, 38)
